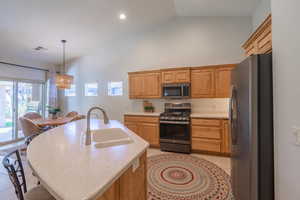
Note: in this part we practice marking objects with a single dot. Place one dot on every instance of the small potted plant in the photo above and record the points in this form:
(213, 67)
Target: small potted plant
(53, 111)
(149, 109)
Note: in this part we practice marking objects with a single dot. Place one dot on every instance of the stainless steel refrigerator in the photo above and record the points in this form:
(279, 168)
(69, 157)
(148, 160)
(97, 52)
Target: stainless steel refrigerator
(251, 117)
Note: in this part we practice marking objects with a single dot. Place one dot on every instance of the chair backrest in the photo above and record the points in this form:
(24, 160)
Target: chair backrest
(78, 117)
(28, 127)
(13, 164)
(32, 115)
(71, 114)
(29, 139)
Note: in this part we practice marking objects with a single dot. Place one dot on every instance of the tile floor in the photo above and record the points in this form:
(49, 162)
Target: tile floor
(7, 191)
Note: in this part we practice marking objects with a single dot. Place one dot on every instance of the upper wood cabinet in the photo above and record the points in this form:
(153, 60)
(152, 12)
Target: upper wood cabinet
(176, 76)
(260, 41)
(206, 82)
(203, 83)
(136, 85)
(211, 81)
(223, 81)
(145, 85)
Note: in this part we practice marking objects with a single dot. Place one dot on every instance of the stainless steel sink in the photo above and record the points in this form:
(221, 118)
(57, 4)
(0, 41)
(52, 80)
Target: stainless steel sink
(110, 137)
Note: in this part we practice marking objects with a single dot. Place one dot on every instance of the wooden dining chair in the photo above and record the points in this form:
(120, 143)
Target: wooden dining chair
(78, 117)
(29, 127)
(71, 114)
(13, 164)
(32, 115)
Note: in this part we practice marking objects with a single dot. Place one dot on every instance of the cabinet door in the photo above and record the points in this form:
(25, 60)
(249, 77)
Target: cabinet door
(203, 83)
(227, 137)
(152, 85)
(182, 76)
(113, 193)
(150, 133)
(136, 86)
(133, 127)
(133, 185)
(223, 82)
(168, 77)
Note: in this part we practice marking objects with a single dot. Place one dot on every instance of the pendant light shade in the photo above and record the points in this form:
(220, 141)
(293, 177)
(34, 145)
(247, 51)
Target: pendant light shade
(63, 80)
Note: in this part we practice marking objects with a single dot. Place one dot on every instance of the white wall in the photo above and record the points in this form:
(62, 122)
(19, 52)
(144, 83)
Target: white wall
(185, 41)
(261, 12)
(286, 48)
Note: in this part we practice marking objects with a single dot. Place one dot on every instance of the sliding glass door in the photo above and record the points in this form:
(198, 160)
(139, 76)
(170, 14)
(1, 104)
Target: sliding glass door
(16, 99)
(6, 111)
(30, 99)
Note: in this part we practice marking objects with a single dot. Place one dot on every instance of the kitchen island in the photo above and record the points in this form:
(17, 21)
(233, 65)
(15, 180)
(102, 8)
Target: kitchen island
(70, 170)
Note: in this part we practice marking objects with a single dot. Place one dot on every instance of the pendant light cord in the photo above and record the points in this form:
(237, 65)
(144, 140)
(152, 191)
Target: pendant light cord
(64, 55)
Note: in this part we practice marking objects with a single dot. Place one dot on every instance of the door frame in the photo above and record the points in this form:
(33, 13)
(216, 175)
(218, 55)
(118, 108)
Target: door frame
(15, 114)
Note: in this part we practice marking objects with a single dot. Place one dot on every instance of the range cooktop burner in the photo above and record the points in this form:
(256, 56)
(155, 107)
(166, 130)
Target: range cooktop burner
(176, 112)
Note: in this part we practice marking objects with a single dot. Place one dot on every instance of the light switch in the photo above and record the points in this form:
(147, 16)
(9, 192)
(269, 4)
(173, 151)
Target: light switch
(297, 134)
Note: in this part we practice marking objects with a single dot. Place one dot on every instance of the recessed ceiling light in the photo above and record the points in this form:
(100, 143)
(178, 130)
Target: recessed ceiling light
(122, 16)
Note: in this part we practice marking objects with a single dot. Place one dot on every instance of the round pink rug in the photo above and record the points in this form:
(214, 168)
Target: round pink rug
(184, 177)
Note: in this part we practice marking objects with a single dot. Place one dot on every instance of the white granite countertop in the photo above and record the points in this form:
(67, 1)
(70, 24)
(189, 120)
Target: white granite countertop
(69, 170)
(210, 115)
(154, 114)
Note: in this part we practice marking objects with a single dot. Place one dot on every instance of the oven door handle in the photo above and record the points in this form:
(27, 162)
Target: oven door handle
(173, 122)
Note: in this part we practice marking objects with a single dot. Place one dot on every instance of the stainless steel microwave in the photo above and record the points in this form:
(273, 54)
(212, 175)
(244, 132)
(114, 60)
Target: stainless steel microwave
(176, 91)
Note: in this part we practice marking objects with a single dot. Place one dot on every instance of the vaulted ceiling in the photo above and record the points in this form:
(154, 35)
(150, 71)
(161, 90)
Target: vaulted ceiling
(89, 24)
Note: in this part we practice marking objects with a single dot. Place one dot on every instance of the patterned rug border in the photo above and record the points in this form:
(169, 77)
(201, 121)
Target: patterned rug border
(216, 187)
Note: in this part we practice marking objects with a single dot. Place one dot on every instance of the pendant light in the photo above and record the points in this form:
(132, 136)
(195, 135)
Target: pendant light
(63, 80)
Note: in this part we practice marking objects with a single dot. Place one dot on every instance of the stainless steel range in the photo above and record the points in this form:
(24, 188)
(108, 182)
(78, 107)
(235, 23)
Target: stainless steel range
(175, 128)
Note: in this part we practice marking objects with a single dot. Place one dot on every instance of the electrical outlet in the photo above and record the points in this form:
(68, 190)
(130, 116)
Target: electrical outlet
(297, 134)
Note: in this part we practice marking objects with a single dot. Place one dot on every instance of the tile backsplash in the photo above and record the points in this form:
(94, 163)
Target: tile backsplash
(207, 105)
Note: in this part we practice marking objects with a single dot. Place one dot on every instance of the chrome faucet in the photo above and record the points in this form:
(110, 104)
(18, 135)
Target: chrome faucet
(88, 138)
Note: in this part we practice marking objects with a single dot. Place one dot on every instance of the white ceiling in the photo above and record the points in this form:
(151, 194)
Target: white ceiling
(85, 24)
(91, 24)
(215, 7)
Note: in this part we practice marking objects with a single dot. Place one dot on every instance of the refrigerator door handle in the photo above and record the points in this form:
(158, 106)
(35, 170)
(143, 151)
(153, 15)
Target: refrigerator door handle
(233, 115)
(230, 105)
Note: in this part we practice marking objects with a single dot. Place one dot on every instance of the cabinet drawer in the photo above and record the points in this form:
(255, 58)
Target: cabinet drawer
(130, 118)
(206, 145)
(206, 132)
(206, 122)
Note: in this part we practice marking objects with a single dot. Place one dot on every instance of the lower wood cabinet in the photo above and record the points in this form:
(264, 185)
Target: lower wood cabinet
(131, 185)
(211, 135)
(208, 135)
(227, 136)
(144, 126)
(210, 145)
